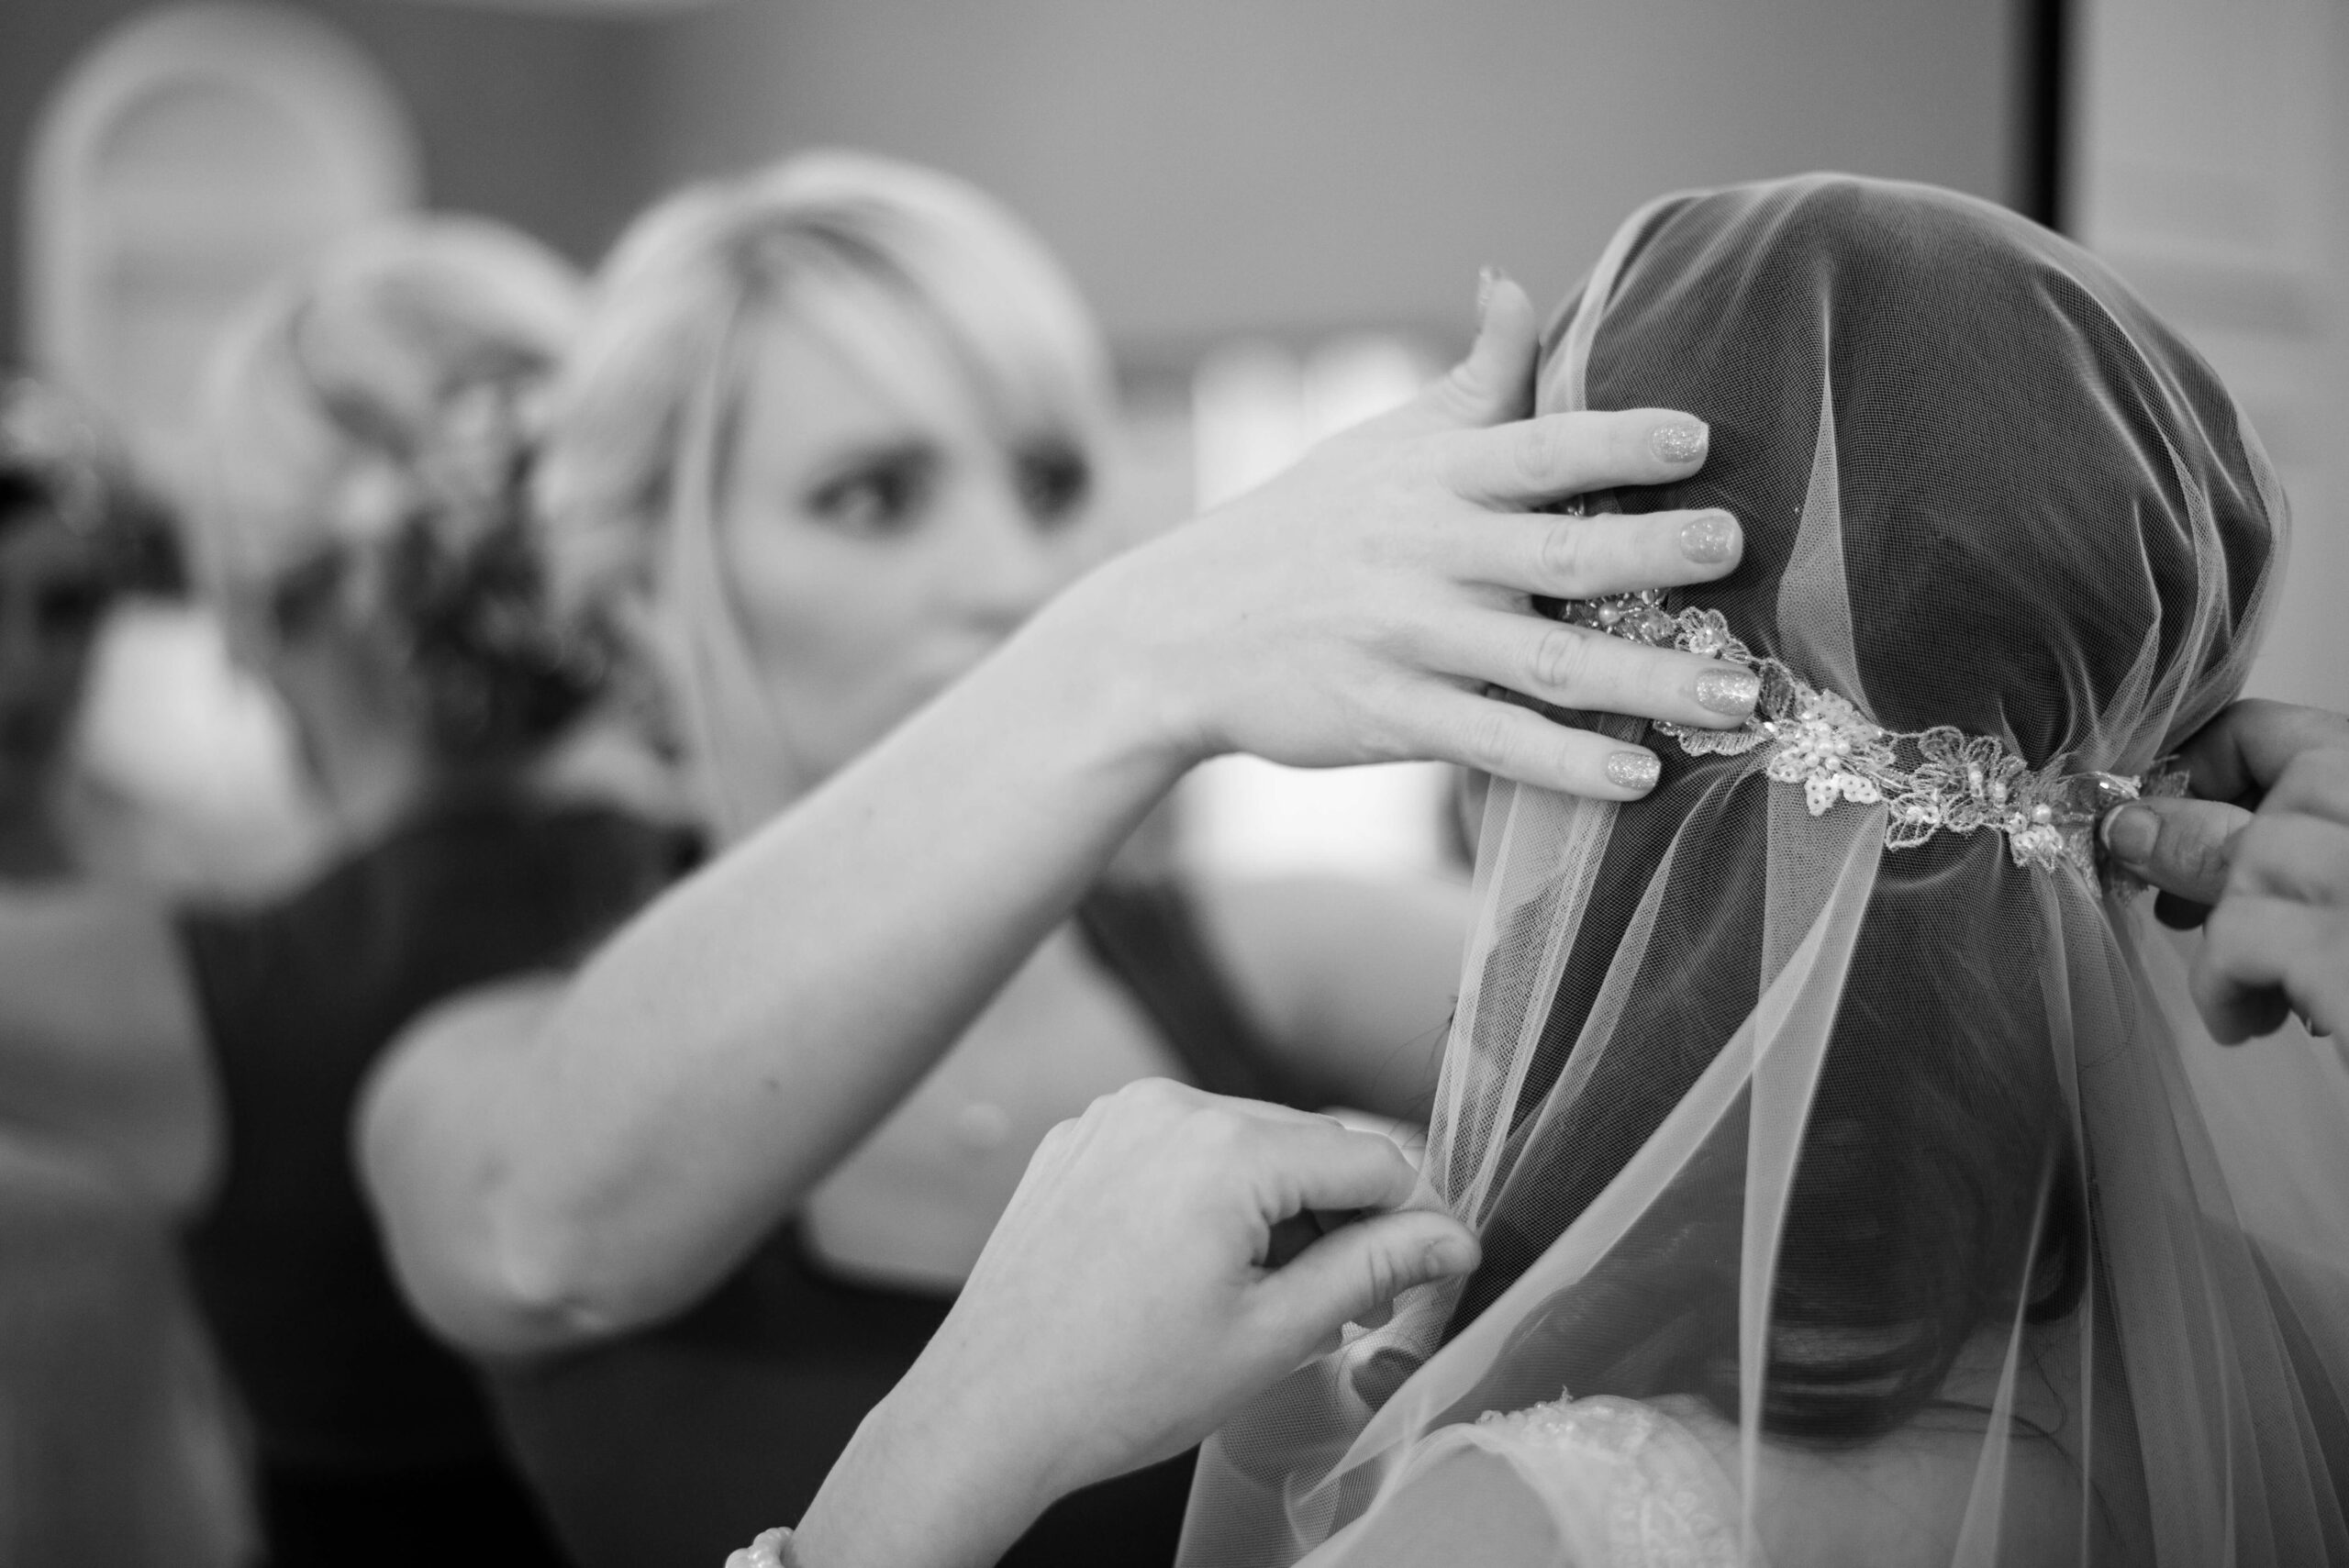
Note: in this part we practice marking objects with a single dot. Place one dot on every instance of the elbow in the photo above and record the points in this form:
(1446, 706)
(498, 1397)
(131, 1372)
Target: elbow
(549, 1294)
(484, 1260)
(483, 1270)
(515, 1287)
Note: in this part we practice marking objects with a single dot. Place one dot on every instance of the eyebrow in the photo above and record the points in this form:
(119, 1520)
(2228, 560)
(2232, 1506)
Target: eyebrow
(888, 452)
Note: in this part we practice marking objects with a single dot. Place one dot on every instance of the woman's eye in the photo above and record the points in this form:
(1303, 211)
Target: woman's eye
(874, 501)
(1053, 482)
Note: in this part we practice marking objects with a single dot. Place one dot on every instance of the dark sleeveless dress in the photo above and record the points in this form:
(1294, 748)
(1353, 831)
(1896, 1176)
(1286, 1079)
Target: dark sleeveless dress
(672, 1447)
(375, 1444)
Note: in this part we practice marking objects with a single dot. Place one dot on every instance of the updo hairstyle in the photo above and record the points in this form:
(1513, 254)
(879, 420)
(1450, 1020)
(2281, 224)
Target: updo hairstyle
(371, 425)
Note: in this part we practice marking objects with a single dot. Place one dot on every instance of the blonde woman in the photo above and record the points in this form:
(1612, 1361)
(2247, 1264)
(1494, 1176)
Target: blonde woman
(831, 449)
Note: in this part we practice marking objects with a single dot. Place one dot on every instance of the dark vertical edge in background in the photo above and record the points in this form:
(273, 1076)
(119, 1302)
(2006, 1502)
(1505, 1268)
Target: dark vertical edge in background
(2044, 58)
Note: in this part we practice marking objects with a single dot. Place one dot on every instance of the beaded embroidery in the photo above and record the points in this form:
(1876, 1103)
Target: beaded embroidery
(1931, 781)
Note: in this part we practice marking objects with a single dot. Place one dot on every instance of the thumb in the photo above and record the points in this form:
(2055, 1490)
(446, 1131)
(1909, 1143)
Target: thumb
(2183, 846)
(1494, 384)
(1362, 1266)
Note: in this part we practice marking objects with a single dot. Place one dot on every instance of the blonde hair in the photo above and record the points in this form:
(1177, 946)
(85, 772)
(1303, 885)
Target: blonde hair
(850, 240)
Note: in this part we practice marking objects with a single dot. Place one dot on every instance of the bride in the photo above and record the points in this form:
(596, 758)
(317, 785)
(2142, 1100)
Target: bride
(1854, 1182)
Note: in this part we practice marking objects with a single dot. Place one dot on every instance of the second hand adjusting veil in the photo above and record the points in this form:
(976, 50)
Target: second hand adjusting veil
(1827, 1097)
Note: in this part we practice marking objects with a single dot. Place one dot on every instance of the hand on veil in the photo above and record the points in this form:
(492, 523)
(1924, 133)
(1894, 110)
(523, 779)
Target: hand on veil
(1168, 1254)
(2259, 857)
(1363, 605)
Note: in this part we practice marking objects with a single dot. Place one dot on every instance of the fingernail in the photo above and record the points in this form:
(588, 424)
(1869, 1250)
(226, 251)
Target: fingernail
(1729, 691)
(1634, 770)
(1678, 443)
(1710, 540)
(2131, 833)
(1452, 1255)
(1487, 280)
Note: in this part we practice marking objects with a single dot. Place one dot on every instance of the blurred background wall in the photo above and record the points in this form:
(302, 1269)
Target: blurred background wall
(2210, 150)
(542, 117)
(1223, 165)
(1205, 168)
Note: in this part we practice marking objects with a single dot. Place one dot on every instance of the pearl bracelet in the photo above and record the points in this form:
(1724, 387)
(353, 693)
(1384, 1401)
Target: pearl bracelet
(771, 1550)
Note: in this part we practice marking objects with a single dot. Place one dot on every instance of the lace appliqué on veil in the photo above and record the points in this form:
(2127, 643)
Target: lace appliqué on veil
(1930, 781)
(1667, 1504)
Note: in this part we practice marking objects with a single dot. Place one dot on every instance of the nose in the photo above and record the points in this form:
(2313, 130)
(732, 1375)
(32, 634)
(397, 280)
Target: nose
(1003, 567)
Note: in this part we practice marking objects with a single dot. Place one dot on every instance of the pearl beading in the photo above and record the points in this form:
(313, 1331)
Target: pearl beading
(1940, 780)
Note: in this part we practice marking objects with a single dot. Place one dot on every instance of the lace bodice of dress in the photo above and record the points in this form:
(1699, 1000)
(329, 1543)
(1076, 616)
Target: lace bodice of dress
(1622, 1472)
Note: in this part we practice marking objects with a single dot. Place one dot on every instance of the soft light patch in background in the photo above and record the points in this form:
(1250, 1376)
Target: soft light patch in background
(1256, 406)
(190, 760)
(2212, 156)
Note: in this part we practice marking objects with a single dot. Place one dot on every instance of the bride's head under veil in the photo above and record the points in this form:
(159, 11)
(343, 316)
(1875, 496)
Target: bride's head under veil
(1826, 1104)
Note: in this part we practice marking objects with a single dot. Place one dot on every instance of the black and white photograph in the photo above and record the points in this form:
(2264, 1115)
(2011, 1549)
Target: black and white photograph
(1174, 783)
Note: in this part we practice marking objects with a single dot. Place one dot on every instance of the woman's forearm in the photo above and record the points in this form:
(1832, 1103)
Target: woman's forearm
(724, 1051)
(926, 1483)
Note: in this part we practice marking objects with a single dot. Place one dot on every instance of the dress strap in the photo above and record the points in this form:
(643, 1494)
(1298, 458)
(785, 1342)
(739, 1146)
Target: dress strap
(1147, 935)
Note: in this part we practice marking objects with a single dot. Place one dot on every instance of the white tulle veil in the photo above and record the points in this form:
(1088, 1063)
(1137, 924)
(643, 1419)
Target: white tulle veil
(1866, 1134)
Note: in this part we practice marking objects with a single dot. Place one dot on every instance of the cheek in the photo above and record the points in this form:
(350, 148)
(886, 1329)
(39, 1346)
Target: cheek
(819, 610)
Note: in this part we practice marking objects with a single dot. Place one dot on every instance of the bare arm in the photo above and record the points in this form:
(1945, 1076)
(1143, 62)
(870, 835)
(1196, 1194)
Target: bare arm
(424, 1165)
(721, 1053)
(99, 1039)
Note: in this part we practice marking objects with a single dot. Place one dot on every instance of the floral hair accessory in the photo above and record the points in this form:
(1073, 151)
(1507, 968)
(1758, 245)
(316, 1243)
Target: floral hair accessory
(1930, 781)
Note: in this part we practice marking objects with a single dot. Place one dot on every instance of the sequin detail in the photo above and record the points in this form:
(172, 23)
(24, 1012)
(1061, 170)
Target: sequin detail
(1930, 781)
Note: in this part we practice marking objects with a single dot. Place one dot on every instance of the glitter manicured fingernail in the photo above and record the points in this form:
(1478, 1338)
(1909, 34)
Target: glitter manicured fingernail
(1729, 691)
(1710, 539)
(2131, 834)
(1634, 770)
(1678, 443)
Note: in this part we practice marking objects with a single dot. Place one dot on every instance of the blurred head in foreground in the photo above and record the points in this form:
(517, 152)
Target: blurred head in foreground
(369, 427)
